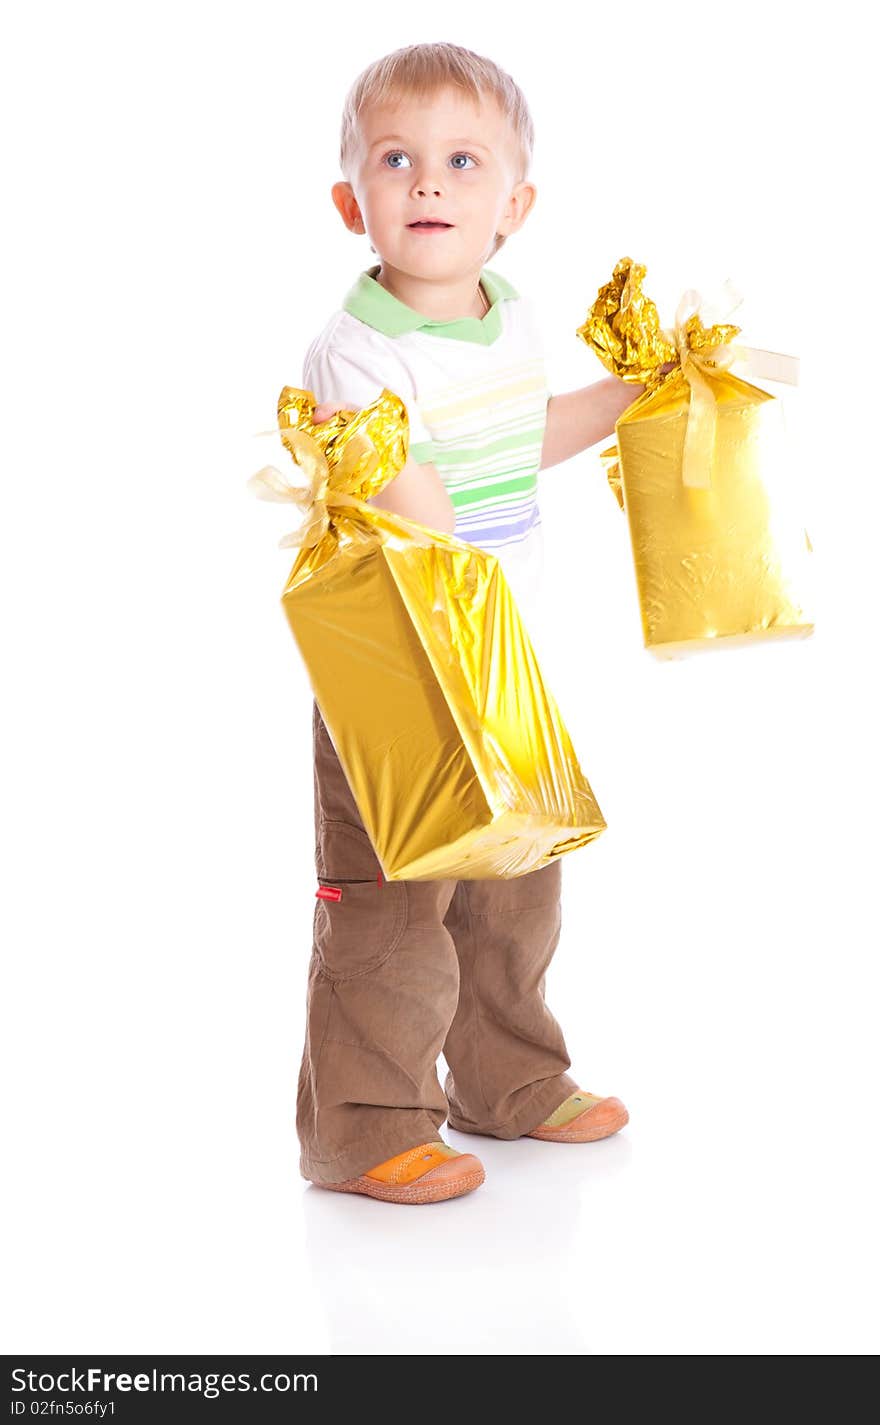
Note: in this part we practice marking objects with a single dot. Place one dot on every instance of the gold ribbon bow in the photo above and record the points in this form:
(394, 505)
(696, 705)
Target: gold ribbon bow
(702, 350)
(317, 498)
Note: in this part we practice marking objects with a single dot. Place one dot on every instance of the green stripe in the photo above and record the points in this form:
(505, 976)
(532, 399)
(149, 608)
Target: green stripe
(518, 486)
(460, 453)
(482, 478)
(423, 453)
(453, 458)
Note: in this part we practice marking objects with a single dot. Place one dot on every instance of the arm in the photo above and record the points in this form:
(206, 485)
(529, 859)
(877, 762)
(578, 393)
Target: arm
(350, 380)
(416, 492)
(578, 419)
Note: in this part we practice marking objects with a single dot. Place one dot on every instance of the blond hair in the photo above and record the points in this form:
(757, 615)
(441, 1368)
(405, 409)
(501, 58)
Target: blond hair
(420, 71)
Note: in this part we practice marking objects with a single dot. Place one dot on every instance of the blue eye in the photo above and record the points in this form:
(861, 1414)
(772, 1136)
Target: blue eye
(398, 153)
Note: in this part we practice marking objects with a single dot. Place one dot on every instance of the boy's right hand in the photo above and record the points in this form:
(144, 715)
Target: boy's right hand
(416, 493)
(324, 411)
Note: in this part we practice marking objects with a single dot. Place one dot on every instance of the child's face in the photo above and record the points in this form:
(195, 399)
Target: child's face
(442, 157)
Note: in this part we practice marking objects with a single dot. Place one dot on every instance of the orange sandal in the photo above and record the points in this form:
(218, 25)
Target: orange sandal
(582, 1118)
(430, 1172)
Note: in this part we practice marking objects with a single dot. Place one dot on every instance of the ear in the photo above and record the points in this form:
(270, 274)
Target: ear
(347, 206)
(518, 206)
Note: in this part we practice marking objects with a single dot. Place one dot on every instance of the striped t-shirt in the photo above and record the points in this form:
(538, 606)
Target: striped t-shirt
(476, 395)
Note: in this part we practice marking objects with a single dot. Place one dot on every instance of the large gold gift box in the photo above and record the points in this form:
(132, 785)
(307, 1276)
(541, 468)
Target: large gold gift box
(702, 470)
(455, 751)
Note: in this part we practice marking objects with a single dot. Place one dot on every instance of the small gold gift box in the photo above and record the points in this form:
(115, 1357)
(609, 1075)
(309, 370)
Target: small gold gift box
(455, 751)
(702, 470)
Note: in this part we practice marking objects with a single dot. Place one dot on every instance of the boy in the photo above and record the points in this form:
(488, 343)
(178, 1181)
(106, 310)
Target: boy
(436, 143)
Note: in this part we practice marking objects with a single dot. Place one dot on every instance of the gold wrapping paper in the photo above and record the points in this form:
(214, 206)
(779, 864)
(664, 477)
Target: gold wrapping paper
(702, 470)
(455, 751)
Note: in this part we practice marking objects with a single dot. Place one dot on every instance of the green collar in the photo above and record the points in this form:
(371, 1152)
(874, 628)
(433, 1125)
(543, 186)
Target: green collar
(375, 305)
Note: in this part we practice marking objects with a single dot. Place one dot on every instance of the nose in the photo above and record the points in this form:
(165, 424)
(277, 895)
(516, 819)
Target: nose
(427, 184)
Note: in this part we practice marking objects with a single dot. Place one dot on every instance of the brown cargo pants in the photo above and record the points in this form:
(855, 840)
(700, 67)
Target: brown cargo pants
(401, 970)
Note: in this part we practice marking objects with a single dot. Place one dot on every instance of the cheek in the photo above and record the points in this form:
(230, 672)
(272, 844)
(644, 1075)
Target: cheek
(385, 194)
(375, 199)
(480, 193)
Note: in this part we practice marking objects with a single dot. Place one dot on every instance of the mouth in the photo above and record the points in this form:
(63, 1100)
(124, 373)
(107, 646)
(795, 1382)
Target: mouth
(424, 226)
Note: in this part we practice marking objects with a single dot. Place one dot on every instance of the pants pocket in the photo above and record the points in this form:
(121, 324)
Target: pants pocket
(359, 932)
(536, 890)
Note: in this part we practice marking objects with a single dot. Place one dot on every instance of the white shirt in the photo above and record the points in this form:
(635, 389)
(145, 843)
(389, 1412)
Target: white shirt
(476, 395)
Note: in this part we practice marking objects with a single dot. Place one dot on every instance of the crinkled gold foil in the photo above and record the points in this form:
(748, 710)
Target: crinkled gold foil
(623, 328)
(383, 429)
(454, 749)
(702, 470)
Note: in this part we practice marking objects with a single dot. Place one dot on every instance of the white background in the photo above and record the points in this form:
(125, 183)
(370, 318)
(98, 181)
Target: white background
(171, 251)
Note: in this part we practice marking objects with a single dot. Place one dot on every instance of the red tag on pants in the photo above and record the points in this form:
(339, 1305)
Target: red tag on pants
(329, 893)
